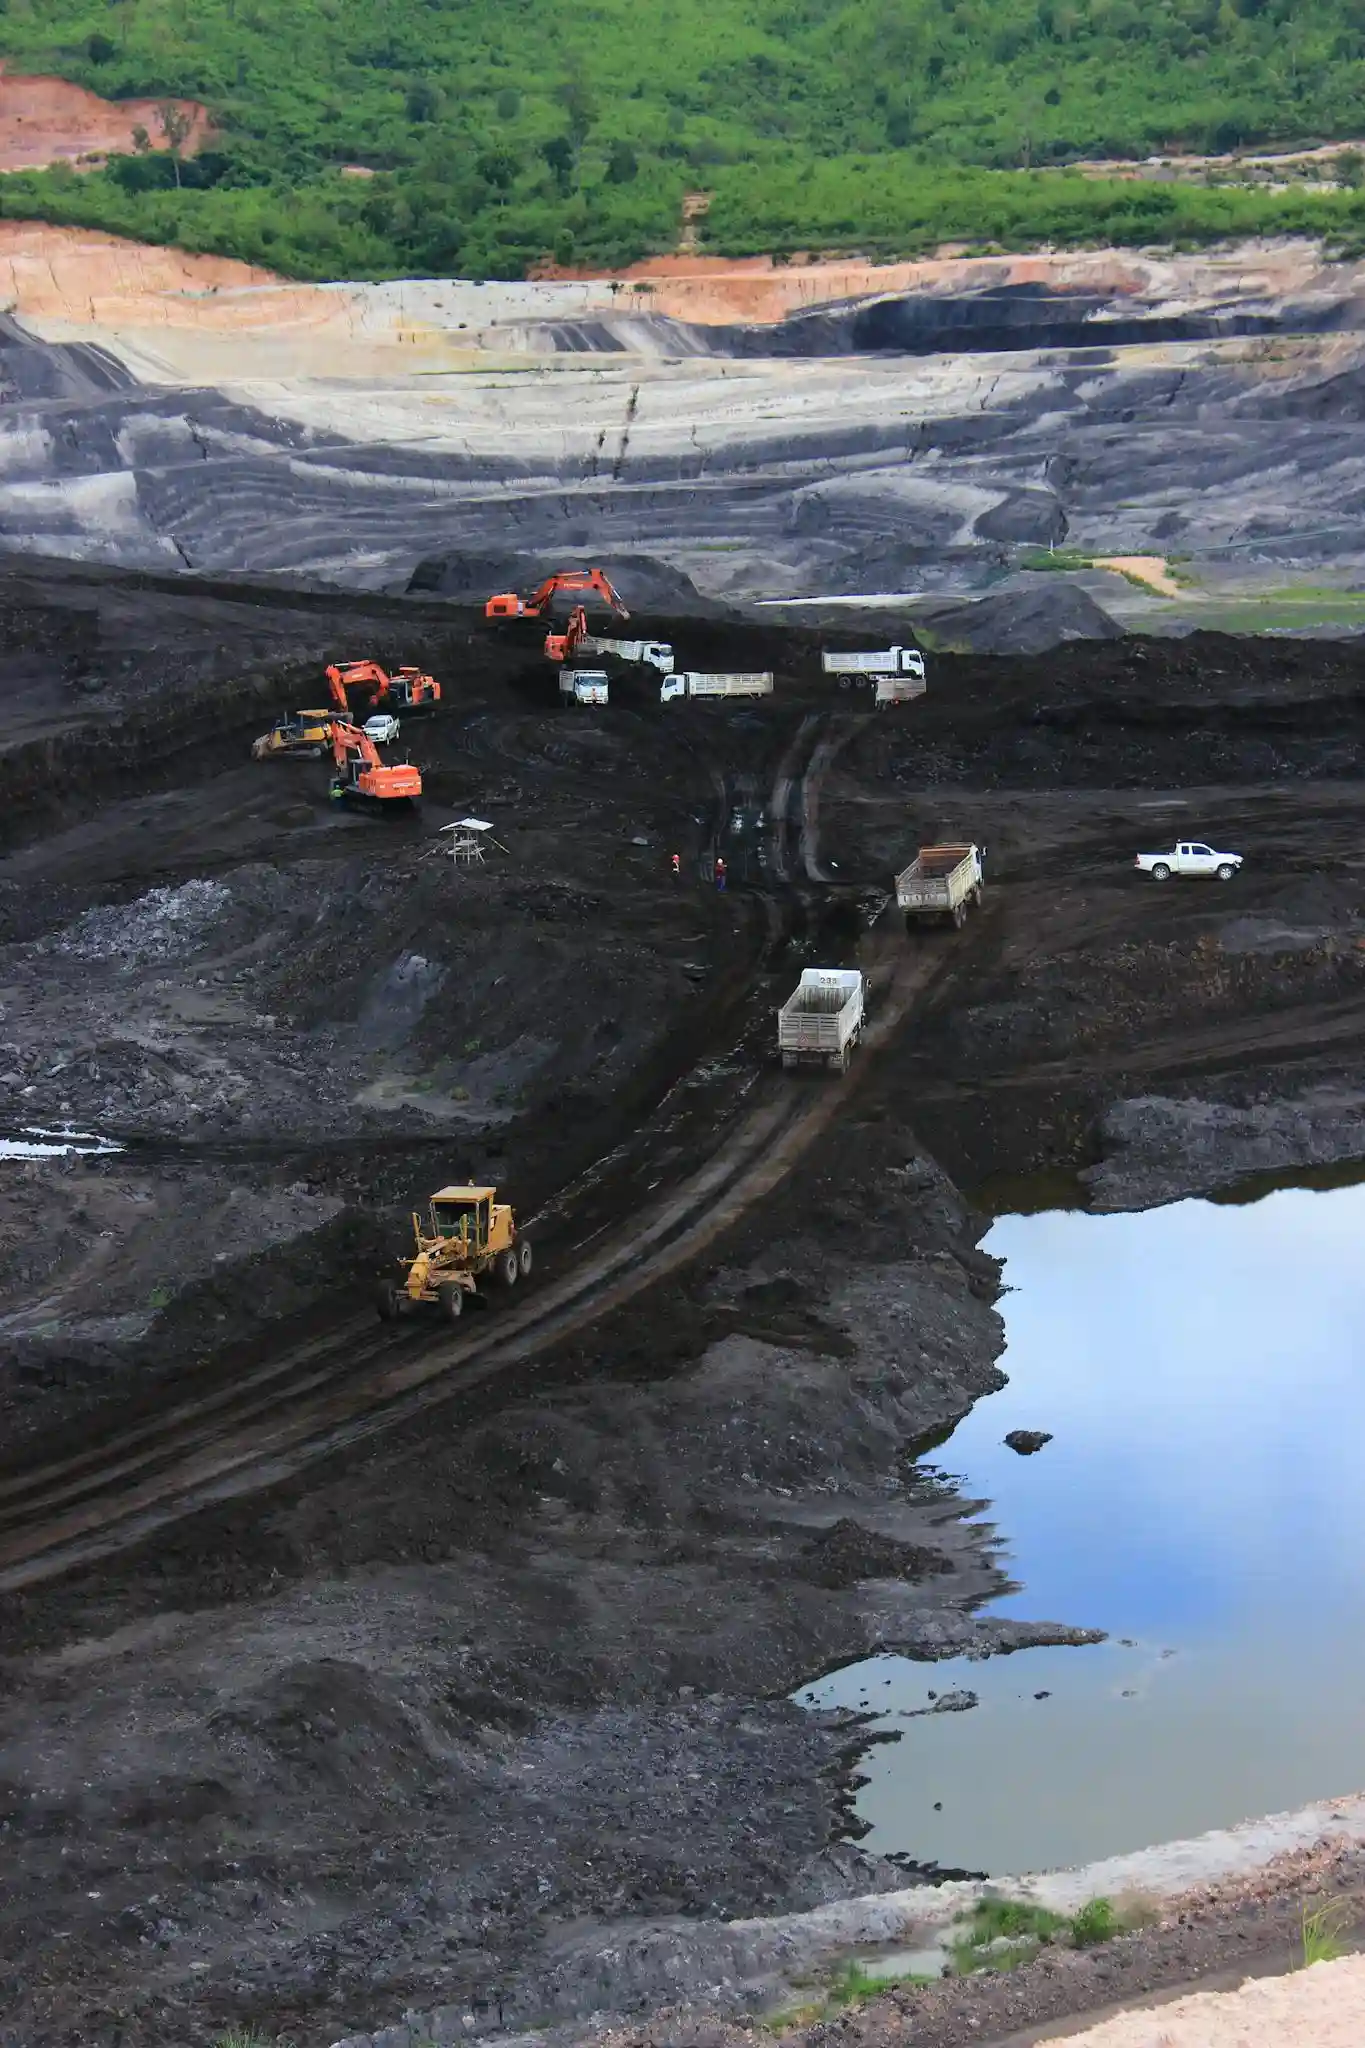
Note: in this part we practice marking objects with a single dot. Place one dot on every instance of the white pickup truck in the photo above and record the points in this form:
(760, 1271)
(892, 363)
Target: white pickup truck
(1189, 857)
(382, 728)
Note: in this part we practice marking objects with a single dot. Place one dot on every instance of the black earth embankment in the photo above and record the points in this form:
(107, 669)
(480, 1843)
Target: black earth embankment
(1006, 318)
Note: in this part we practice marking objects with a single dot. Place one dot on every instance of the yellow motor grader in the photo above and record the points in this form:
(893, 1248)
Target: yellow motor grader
(466, 1236)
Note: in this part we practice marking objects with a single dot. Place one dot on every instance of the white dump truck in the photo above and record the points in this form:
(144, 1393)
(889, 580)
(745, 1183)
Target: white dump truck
(897, 690)
(940, 885)
(649, 653)
(1189, 857)
(583, 685)
(822, 1020)
(861, 669)
(744, 683)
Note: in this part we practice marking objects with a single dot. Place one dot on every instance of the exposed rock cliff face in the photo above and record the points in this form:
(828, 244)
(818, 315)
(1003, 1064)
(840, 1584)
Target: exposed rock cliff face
(918, 439)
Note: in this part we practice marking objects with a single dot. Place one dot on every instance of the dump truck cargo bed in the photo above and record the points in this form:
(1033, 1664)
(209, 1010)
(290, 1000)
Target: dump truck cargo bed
(940, 885)
(822, 1019)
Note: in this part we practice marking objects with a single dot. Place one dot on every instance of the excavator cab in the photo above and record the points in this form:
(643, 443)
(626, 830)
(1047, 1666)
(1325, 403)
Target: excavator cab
(412, 689)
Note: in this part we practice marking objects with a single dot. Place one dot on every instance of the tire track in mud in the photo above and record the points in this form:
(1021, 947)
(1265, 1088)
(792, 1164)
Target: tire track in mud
(336, 1390)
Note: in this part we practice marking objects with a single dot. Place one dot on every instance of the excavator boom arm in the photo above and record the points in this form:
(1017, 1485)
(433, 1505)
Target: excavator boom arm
(348, 740)
(356, 675)
(507, 605)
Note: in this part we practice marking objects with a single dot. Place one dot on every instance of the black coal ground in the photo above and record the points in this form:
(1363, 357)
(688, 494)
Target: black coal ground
(439, 1721)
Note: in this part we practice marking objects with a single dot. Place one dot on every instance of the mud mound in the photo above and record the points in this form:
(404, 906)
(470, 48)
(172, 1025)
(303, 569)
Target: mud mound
(1023, 621)
(847, 1553)
(646, 583)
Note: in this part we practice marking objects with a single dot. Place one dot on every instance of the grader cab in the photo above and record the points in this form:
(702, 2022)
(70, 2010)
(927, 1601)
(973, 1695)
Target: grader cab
(466, 1235)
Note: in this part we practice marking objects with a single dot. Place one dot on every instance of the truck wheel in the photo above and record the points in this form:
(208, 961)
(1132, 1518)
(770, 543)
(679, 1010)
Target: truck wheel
(451, 1300)
(386, 1299)
(524, 1256)
(1161, 873)
(1226, 872)
(508, 1269)
(959, 916)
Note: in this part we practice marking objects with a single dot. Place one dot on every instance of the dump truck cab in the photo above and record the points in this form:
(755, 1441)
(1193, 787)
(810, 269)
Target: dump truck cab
(465, 1235)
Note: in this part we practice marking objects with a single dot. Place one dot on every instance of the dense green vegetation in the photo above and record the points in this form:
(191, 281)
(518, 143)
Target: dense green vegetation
(501, 134)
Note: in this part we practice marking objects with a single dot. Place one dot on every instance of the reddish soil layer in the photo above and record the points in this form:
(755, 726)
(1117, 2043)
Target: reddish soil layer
(49, 121)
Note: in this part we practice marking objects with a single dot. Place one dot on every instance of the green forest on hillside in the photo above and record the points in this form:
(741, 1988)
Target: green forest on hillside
(500, 135)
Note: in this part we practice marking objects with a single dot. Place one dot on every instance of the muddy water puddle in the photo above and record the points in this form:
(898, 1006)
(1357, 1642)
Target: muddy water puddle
(1202, 1371)
(34, 1142)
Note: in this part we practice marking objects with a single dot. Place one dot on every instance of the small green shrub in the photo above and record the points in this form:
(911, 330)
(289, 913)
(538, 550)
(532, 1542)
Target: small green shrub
(850, 1984)
(1096, 1922)
(1011, 1919)
(1324, 1931)
(1043, 559)
(1003, 1934)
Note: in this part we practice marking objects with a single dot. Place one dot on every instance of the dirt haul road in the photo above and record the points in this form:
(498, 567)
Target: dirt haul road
(347, 1671)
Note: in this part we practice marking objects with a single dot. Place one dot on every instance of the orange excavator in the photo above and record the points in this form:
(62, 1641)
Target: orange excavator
(507, 605)
(410, 689)
(362, 777)
(563, 646)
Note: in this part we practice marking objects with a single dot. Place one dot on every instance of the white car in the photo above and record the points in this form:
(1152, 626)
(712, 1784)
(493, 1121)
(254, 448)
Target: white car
(1190, 857)
(382, 728)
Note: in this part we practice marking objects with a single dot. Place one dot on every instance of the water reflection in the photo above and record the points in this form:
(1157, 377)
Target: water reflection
(1202, 1368)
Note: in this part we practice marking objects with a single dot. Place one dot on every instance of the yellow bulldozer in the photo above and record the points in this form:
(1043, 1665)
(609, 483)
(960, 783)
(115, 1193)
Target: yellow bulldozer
(466, 1236)
(305, 733)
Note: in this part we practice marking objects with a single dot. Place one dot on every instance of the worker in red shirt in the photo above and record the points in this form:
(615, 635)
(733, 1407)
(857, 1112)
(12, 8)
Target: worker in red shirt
(677, 864)
(720, 871)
